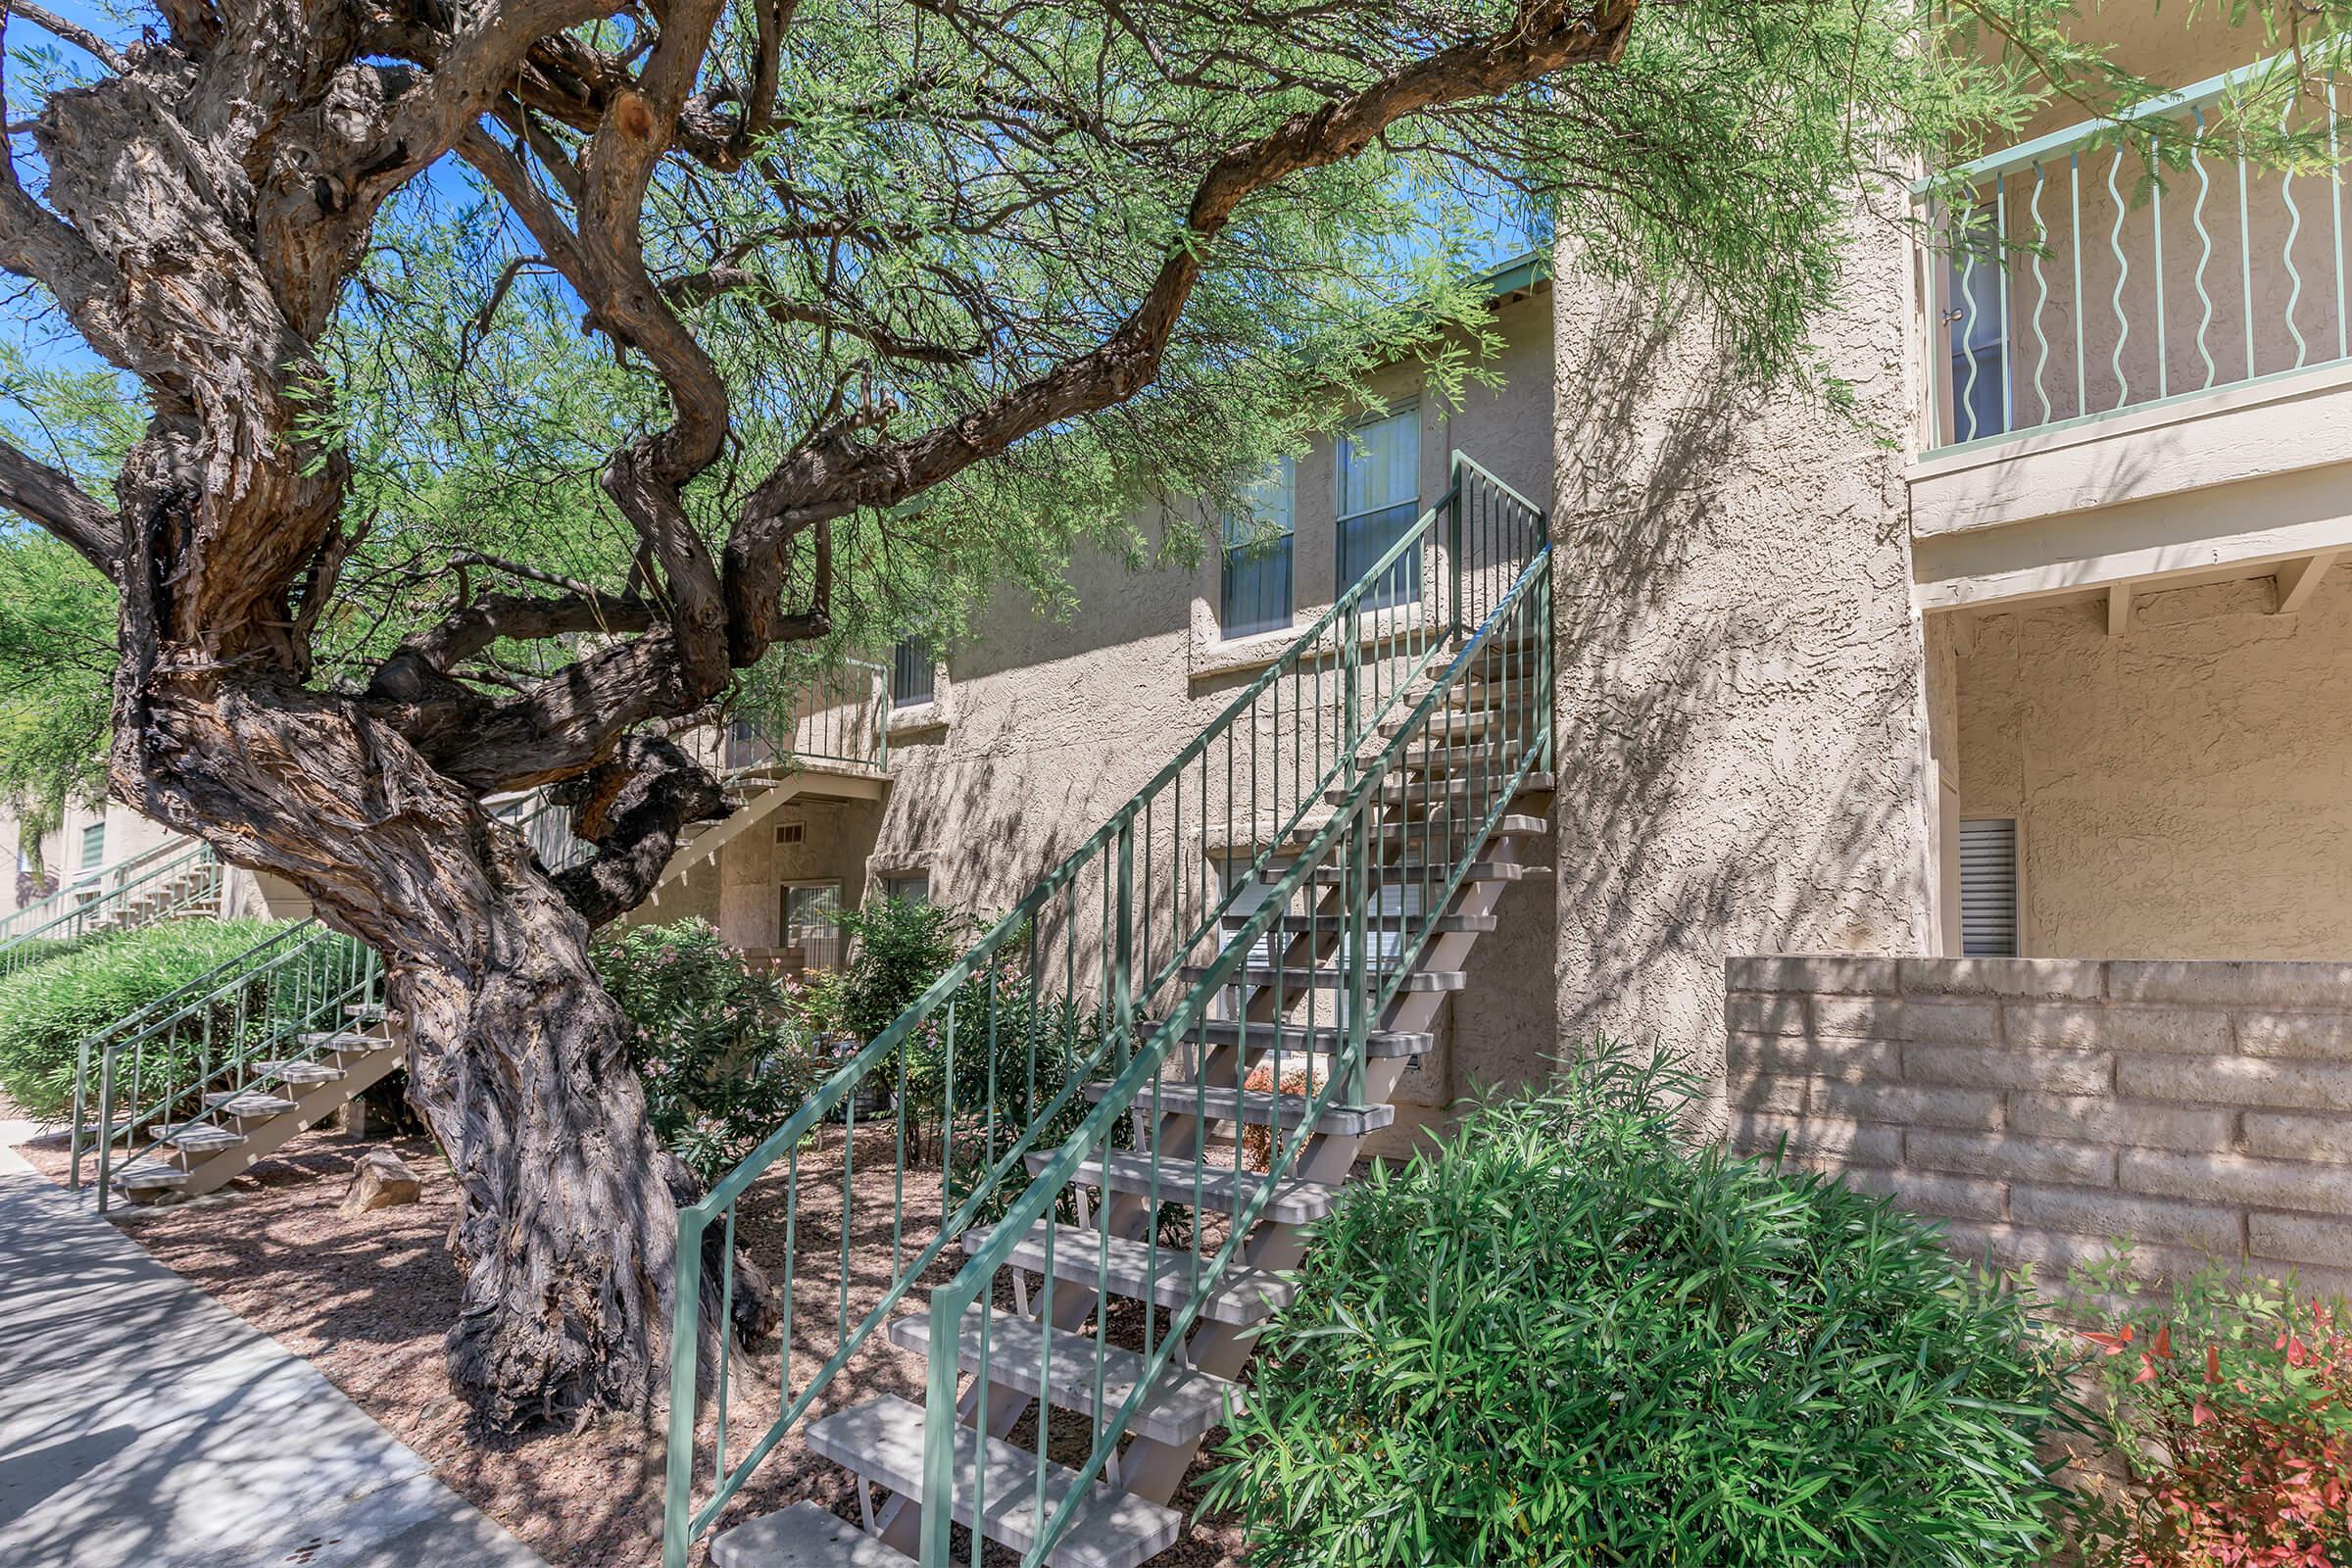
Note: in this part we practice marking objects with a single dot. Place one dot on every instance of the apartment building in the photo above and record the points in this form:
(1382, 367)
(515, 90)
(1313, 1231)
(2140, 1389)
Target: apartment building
(967, 777)
(1991, 786)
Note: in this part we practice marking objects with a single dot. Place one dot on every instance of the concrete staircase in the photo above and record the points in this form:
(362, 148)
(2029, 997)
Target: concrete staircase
(175, 880)
(1127, 1518)
(322, 1072)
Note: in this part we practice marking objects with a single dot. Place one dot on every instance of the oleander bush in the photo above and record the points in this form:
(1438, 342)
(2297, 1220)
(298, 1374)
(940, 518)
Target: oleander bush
(725, 1054)
(48, 1008)
(1566, 1337)
(2227, 1402)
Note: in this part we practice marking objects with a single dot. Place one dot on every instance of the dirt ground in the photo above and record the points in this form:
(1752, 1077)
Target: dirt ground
(365, 1299)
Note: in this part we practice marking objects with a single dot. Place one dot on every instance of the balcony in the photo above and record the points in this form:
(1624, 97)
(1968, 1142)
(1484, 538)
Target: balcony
(839, 723)
(2100, 345)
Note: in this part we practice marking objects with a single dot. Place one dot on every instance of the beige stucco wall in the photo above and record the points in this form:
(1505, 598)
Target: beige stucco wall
(1741, 684)
(2182, 791)
(1044, 727)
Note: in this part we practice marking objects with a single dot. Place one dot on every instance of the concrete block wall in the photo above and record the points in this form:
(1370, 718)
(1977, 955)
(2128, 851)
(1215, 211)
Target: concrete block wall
(2042, 1107)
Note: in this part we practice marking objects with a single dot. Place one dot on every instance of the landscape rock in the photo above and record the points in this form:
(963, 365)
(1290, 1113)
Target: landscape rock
(379, 1179)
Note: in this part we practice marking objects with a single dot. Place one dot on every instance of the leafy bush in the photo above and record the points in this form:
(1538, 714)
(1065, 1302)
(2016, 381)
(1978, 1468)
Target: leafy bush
(1563, 1338)
(47, 1009)
(2228, 1402)
(898, 947)
(724, 1059)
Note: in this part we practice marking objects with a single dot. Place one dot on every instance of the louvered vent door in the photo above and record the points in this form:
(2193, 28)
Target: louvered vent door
(1989, 887)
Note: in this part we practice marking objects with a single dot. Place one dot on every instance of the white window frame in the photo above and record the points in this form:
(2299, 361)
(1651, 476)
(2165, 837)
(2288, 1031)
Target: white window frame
(894, 884)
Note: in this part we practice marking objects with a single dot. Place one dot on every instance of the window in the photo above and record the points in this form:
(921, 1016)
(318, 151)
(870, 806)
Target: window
(912, 676)
(812, 922)
(1979, 332)
(94, 846)
(1989, 887)
(1255, 593)
(1380, 499)
(912, 888)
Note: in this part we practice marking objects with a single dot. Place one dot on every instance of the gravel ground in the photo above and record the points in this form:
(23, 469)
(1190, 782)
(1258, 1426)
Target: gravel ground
(366, 1298)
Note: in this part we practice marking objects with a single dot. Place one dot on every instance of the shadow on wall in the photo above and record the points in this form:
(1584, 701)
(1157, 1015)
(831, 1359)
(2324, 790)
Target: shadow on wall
(1741, 711)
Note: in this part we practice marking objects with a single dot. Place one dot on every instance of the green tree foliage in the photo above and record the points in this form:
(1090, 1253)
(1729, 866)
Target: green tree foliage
(955, 201)
(1565, 1338)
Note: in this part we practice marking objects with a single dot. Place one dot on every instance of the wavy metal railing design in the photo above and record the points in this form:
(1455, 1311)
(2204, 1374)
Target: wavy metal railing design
(171, 878)
(210, 1036)
(2117, 347)
(989, 1066)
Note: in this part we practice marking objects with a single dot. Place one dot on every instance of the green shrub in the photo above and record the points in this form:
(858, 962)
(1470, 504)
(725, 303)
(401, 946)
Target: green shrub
(47, 1009)
(723, 1059)
(898, 947)
(2225, 1403)
(1564, 1338)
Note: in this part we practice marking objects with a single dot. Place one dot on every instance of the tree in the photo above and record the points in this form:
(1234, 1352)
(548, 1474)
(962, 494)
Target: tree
(827, 282)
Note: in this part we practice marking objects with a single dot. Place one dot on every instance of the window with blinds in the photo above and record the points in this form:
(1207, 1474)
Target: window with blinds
(93, 844)
(1379, 502)
(1989, 887)
(1256, 594)
(911, 674)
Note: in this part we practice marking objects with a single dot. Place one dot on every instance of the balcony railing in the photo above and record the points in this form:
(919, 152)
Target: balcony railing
(841, 719)
(2066, 284)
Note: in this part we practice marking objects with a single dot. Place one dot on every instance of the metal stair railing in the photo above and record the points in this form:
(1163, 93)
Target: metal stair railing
(173, 876)
(990, 1063)
(208, 1036)
(1373, 954)
(840, 719)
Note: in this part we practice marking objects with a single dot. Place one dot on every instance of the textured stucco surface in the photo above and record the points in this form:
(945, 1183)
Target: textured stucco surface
(1741, 692)
(2182, 791)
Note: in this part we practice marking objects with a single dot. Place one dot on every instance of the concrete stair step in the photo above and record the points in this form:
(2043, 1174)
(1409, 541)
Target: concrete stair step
(1303, 1040)
(148, 1175)
(1184, 1403)
(309, 1074)
(1422, 981)
(1140, 1271)
(195, 1137)
(1198, 1184)
(249, 1103)
(803, 1536)
(1258, 1108)
(367, 1012)
(994, 1486)
(1300, 924)
(1413, 793)
(1328, 875)
(343, 1042)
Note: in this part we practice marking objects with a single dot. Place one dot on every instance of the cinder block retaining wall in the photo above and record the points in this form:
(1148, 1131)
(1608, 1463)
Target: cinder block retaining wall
(2042, 1105)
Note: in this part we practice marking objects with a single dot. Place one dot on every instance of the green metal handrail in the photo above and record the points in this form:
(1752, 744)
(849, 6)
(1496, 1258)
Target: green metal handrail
(1341, 838)
(1105, 931)
(176, 874)
(209, 1034)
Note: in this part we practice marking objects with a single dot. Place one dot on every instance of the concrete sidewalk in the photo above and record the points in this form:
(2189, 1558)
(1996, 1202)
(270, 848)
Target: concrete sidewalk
(142, 1425)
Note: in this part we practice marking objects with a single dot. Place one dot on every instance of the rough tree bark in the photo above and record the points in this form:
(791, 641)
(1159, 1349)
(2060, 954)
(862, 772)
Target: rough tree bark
(207, 202)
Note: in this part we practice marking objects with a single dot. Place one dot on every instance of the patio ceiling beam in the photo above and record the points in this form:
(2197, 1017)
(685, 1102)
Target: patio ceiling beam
(2299, 578)
(2119, 609)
